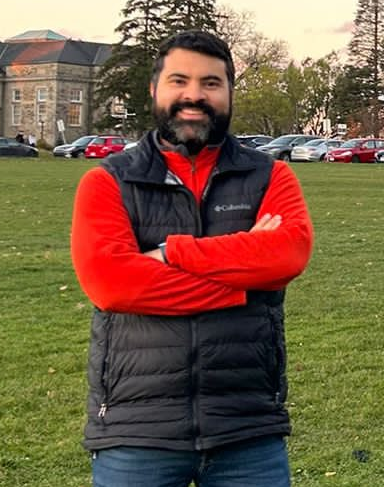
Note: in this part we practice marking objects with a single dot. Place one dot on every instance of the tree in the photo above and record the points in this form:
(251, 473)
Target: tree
(366, 51)
(294, 88)
(191, 14)
(318, 79)
(250, 49)
(260, 104)
(350, 101)
(126, 74)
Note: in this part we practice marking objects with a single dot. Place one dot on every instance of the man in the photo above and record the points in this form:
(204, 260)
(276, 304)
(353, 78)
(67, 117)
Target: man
(20, 137)
(185, 245)
(32, 140)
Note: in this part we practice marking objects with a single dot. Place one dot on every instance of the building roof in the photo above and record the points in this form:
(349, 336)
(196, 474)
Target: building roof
(65, 51)
(36, 35)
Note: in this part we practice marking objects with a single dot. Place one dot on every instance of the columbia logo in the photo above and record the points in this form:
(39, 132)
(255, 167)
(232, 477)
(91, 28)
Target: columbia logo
(241, 206)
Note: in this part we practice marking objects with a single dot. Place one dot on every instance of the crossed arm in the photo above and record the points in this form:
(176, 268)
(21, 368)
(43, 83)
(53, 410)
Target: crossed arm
(203, 273)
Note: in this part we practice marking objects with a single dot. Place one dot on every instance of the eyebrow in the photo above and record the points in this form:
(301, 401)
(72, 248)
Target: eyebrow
(209, 77)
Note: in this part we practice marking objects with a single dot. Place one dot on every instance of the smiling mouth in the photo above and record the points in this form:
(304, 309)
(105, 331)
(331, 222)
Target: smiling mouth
(191, 114)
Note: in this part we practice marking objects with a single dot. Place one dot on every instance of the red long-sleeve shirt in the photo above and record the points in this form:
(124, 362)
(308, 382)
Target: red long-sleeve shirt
(203, 273)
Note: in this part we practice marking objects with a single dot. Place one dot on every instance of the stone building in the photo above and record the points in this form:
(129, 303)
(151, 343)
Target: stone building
(45, 78)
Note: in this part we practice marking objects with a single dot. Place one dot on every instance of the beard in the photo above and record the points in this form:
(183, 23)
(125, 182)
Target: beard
(193, 134)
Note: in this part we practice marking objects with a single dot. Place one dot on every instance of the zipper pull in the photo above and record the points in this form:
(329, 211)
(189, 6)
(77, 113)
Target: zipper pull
(102, 410)
(277, 397)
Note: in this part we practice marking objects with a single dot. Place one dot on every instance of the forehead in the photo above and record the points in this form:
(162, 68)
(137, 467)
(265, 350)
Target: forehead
(192, 63)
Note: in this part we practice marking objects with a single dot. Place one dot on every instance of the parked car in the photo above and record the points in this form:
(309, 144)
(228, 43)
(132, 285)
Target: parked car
(356, 150)
(379, 155)
(104, 145)
(9, 147)
(281, 147)
(254, 141)
(76, 149)
(314, 150)
(129, 145)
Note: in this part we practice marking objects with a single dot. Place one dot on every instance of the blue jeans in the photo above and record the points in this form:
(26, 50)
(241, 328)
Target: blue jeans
(258, 463)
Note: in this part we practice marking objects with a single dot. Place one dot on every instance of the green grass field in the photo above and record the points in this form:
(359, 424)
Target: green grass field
(334, 330)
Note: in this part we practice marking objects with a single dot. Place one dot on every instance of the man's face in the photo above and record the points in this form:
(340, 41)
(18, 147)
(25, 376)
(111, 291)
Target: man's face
(192, 100)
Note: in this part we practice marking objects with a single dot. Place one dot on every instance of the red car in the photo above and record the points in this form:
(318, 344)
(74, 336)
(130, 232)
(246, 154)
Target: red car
(356, 150)
(104, 145)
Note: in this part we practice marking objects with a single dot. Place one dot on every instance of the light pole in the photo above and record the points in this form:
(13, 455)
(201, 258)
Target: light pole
(380, 99)
(41, 123)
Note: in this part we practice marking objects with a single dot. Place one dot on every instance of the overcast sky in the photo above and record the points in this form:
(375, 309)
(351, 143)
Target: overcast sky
(311, 28)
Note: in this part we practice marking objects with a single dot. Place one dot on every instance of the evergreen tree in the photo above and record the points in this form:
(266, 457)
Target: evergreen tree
(191, 14)
(366, 52)
(351, 99)
(126, 75)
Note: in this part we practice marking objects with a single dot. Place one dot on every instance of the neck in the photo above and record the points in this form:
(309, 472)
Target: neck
(181, 148)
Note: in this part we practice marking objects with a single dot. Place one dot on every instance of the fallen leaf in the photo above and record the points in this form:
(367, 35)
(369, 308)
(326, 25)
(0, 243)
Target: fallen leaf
(330, 474)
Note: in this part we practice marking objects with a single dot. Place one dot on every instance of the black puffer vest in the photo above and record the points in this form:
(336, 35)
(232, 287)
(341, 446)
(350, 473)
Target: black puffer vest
(196, 381)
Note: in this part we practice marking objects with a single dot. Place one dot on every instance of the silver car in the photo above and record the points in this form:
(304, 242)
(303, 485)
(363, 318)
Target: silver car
(314, 150)
(76, 149)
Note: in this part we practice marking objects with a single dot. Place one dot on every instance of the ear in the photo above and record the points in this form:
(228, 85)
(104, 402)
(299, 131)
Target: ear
(152, 89)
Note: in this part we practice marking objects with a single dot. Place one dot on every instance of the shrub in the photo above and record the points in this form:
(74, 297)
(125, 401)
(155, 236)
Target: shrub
(43, 144)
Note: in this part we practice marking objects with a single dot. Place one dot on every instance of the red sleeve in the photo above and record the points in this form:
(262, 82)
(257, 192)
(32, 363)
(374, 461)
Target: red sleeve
(115, 275)
(264, 260)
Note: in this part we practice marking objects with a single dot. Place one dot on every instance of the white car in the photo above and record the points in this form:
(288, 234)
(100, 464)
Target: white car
(314, 150)
(129, 145)
(379, 156)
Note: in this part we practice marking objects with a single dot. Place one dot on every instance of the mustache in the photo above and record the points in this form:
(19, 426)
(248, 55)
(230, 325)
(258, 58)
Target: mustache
(200, 105)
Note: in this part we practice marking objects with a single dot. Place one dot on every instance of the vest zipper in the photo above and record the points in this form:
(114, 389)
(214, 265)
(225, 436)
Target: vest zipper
(105, 373)
(199, 225)
(195, 387)
(278, 358)
(102, 410)
(214, 172)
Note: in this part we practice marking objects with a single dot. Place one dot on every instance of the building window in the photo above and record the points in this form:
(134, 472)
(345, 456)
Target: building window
(41, 112)
(74, 114)
(74, 111)
(76, 96)
(42, 94)
(16, 114)
(16, 95)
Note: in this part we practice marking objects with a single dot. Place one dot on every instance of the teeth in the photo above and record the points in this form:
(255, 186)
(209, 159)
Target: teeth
(192, 111)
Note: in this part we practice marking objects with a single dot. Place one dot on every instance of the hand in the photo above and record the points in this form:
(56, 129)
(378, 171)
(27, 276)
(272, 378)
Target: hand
(155, 254)
(267, 222)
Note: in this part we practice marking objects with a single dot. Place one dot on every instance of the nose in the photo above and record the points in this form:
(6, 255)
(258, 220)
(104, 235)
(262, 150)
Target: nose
(193, 91)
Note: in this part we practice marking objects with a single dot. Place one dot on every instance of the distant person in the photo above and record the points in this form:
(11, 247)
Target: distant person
(185, 244)
(32, 140)
(20, 137)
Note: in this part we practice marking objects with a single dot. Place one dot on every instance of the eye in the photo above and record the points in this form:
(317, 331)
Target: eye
(212, 83)
(177, 81)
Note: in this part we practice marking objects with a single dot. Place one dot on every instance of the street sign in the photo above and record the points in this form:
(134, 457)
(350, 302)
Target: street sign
(60, 125)
(341, 128)
(61, 128)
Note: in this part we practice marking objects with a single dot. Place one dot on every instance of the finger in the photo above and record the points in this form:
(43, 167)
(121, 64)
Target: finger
(274, 223)
(267, 222)
(263, 221)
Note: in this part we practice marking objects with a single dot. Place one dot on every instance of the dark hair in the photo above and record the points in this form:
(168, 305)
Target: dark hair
(198, 41)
